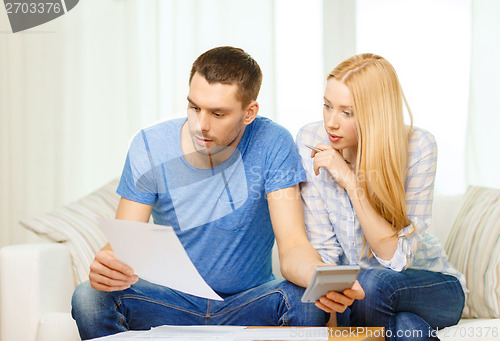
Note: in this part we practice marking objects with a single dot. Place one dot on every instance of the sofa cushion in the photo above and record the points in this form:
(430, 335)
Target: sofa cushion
(75, 225)
(473, 247)
(472, 329)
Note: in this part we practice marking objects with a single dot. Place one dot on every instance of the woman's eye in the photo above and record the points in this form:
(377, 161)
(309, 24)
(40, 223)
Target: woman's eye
(327, 106)
(347, 113)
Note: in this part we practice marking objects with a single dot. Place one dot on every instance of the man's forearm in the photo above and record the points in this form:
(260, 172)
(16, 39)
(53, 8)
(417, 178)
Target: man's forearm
(297, 264)
(107, 247)
(298, 258)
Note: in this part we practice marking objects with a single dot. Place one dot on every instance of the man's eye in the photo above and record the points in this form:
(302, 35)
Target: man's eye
(216, 114)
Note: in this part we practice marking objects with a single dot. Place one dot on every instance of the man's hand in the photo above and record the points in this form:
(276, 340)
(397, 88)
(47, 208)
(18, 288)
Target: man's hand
(107, 273)
(337, 302)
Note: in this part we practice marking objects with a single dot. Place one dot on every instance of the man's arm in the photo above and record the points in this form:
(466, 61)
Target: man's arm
(298, 258)
(106, 272)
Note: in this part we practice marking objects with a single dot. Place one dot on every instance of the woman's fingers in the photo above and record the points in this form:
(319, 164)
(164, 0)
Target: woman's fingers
(323, 146)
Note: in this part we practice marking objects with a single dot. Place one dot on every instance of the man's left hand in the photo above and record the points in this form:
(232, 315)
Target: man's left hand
(338, 302)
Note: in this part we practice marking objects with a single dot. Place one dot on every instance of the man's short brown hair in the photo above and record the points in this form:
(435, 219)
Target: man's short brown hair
(230, 65)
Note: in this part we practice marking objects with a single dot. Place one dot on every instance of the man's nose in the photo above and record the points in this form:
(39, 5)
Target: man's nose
(204, 121)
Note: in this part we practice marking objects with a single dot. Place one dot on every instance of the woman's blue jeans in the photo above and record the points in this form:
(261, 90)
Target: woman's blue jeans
(146, 305)
(410, 304)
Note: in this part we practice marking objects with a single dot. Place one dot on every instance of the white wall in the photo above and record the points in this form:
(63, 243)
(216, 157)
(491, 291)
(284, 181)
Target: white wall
(483, 138)
(299, 63)
(428, 43)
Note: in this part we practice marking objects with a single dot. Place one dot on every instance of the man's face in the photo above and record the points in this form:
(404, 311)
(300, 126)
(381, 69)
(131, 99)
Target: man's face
(215, 116)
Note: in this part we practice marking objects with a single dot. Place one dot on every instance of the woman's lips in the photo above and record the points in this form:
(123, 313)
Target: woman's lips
(334, 138)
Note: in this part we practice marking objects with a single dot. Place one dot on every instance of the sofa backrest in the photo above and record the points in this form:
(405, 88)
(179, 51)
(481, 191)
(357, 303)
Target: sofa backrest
(445, 209)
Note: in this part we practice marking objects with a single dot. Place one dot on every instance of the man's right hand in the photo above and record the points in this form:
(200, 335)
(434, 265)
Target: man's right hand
(107, 273)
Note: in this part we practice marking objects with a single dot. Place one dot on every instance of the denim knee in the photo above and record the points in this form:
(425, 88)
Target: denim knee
(377, 306)
(409, 326)
(432, 296)
(95, 312)
(377, 283)
(80, 298)
(301, 314)
(82, 309)
(87, 302)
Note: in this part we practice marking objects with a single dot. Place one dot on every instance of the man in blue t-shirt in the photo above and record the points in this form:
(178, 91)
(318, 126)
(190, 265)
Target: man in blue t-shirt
(226, 180)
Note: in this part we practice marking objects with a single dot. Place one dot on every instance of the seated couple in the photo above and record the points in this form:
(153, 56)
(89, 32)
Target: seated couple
(229, 182)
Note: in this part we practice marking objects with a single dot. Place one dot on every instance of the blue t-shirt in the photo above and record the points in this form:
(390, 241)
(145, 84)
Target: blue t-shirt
(220, 215)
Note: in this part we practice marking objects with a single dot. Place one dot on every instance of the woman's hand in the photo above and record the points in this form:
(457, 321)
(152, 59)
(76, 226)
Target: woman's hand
(332, 160)
(338, 302)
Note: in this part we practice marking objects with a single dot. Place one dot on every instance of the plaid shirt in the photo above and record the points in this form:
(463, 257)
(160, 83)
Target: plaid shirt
(334, 229)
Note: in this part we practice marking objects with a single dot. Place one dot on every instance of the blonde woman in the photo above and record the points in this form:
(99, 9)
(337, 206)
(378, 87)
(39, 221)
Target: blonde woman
(367, 201)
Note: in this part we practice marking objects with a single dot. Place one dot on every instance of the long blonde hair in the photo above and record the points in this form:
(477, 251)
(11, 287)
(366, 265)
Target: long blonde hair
(377, 100)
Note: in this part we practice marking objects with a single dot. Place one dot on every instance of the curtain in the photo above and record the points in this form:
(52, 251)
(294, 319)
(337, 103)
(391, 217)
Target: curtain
(75, 90)
(483, 138)
(72, 91)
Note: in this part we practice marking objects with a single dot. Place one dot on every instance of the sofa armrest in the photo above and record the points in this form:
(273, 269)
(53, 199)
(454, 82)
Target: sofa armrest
(34, 279)
(57, 327)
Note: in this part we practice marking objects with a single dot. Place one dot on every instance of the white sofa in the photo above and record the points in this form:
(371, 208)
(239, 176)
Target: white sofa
(37, 280)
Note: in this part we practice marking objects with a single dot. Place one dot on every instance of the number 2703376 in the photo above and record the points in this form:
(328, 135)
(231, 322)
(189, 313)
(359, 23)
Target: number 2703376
(32, 8)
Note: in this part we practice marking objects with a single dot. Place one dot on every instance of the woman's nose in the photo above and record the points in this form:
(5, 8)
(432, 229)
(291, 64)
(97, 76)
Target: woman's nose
(332, 121)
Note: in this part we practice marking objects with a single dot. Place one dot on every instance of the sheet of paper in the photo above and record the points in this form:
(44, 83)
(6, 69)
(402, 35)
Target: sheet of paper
(237, 333)
(156, 255)
(194, 332)
(282, 333)
(136, 335)
(222, 333)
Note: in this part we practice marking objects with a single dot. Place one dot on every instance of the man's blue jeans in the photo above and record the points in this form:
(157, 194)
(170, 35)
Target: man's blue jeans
(146, 305)
(410, 304)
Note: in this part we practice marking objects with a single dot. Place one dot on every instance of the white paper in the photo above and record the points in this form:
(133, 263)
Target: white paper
(131, 334)
(237, 333)
(222, 333)
(282, 333)
(156, 255)
(194, 332)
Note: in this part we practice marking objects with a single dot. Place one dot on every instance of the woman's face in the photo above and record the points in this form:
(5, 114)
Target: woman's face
(338, 115)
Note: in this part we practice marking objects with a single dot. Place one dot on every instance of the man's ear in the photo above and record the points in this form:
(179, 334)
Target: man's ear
(251, 112)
